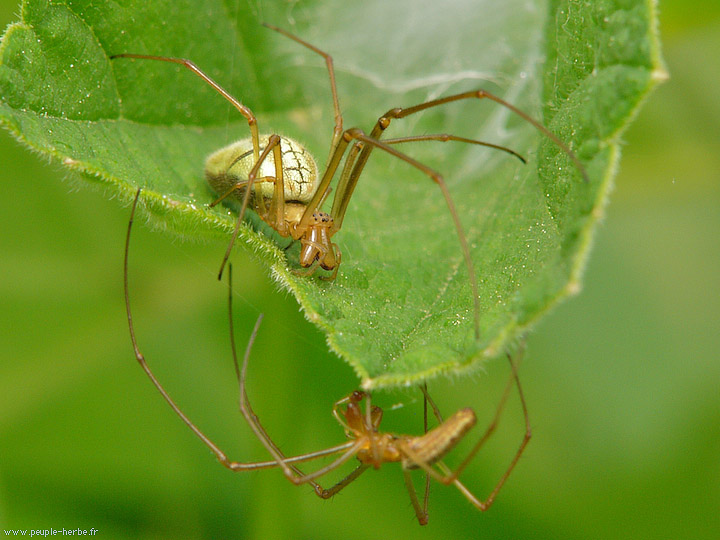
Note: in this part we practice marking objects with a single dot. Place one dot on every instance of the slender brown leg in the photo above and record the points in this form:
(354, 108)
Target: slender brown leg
(277, 206)
(420, 512)
(330, 492)
(435, 408)
(324, 186)
(445, 137)
(219, 454)
(337, 130)
(141, 359)
(246, 112)
(426, 497)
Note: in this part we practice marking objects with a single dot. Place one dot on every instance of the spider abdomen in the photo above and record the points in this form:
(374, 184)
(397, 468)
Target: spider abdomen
(232, 164)
(437, 442)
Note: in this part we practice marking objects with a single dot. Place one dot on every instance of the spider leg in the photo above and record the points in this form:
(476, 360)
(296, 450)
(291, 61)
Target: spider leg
(245, 111)
(435, 408)
(219, 454)
(337, 130)
(239, 185)
(141, 359)
(330, 492)
(438, 416)
(445, 137)
(420, 511)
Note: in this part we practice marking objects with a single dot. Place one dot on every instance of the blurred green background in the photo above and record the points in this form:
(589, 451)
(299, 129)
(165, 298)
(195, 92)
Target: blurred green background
(623, 382)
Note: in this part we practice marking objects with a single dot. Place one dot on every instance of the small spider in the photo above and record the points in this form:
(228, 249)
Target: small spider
(279, 177)
(366, 442)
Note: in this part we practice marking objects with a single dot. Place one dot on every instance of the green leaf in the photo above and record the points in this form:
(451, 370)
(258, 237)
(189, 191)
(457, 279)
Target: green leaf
(401, 308)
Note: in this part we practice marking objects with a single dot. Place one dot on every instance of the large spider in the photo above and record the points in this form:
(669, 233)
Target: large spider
(279, 177)
(365, 441)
